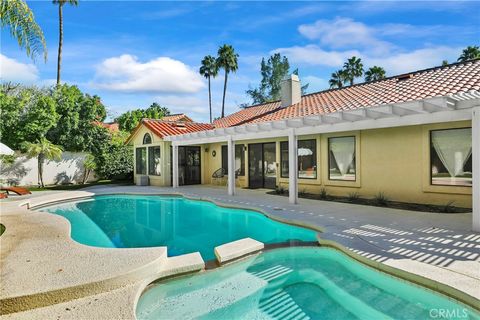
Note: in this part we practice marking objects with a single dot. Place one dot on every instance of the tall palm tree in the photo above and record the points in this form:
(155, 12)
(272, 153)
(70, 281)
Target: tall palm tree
(43, 150)
(469, 53)
(60, 4)
(337, 79)
(227, 60)
(353, 68)
(209, 69)
(16, 15)
(374, 73)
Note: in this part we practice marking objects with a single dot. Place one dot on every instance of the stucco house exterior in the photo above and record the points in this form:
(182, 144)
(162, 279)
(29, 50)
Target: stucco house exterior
(415, 137)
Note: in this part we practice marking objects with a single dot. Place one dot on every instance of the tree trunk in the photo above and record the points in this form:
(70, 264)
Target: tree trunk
(60, 42)
(224, 91)
(85, 175)
(210, 98)
(40, 170)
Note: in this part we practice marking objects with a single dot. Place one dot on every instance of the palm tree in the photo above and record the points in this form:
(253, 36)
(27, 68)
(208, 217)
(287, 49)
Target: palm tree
(374, 73)
(43, 149)
(19, 18)
(337, 79)
(89, 165)
(228, 60)
(60, 29)
(469, 53)
(209, 69)
(353, 68)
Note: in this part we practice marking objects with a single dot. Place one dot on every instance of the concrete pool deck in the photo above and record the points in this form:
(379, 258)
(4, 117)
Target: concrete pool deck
(439, 247)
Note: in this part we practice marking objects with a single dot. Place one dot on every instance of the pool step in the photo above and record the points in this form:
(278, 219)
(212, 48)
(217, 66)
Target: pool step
(281, 306)
(272, 273)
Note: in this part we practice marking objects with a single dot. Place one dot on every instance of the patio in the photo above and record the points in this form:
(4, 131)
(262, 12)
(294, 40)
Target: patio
(439, 247)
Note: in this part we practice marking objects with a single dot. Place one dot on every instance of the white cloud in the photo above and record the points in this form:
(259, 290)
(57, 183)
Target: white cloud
(160, 75)
(314, 55)
(343, 32)
(12, 70)
(402, 62)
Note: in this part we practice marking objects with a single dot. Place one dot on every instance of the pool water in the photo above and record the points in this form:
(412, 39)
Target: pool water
(296, 283)
(183, 225)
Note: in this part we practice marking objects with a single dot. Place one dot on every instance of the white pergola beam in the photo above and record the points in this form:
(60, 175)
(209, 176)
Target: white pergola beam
(231, 166)
(292, 167)
(175, 165)
(476, 169)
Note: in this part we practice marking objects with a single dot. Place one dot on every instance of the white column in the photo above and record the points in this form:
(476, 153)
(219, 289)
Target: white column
(174, 166)
(231, 166)
(292, 167)
(476, 169)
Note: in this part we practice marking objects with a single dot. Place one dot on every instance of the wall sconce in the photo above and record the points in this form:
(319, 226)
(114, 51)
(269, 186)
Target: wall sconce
(206, 150)
(245, 148)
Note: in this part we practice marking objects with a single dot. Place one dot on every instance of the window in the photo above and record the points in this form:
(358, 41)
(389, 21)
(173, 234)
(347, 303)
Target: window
(451, 157)
(141, 160)
(154, 165)
(341, 159)
(239, 159)
(147, 138)
(307, 159)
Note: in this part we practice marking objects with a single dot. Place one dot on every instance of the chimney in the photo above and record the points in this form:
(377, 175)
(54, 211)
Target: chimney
(291, 90)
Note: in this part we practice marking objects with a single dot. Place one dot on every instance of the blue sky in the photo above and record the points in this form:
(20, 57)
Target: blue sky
(132, 53)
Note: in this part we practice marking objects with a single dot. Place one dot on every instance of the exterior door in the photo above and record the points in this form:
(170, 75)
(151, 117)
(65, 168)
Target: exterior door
(262, 169)
(189, 165)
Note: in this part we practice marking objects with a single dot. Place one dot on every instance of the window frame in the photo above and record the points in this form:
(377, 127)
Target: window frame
(151, 151)
(354, 160)
(430, 162)
(285, 143)
(145, 137)
(136, 161)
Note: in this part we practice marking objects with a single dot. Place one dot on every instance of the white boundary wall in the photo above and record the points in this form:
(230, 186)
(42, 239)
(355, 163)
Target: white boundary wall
(24, 171)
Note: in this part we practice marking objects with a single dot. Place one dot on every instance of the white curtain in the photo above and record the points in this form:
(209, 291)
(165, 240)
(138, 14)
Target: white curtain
(453, 147)
(343, 150)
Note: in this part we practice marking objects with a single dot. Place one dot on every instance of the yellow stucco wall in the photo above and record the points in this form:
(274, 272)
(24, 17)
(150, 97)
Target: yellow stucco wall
(395, 161)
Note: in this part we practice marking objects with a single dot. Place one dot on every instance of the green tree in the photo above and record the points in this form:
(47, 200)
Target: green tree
(469, 53)
(130, 119)
(42, 150)
(115, 160)
(338, 79)
(353, 69)
(227, 60)
(374, 73)
(19, 18)
(209, 69)
(60, 4)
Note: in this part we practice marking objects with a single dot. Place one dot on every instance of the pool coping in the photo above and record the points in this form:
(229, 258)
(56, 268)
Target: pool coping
(431, 284)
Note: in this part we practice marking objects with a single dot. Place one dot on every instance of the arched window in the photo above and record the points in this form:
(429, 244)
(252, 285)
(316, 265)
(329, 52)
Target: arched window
(147, 139)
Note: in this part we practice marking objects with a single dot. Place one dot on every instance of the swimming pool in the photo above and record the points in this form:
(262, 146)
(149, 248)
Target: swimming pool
(296, 283)
(183, 225)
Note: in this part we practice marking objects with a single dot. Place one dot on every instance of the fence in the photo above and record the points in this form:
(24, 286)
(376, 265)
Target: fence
(24, 171)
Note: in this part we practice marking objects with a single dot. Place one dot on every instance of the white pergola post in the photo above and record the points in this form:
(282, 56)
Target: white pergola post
(174, 165)
(292, 167)
(231, 166)
(476, 169)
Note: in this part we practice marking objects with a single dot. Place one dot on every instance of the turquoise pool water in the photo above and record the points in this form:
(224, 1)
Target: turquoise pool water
(184, 226)
(296, 283)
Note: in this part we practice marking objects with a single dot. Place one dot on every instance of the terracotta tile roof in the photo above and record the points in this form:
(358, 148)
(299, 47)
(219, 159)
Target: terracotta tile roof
(439, 81)
(177, 117)
(172, 128)
(112, 126)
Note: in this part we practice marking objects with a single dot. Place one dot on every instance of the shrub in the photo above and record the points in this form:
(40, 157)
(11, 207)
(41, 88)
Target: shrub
(448, 207)
(279, 190)
(323, 193)
(381, 199)
(353, 196)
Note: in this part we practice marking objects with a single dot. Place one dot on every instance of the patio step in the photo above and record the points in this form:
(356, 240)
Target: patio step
(272, 273)
(237, 249)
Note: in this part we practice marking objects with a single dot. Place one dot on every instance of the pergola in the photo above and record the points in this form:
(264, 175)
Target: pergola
(456, 107)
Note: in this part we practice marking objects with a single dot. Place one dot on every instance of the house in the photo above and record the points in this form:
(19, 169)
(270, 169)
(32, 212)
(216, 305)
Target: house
(179, 117)
(111, 126)
(414, 137)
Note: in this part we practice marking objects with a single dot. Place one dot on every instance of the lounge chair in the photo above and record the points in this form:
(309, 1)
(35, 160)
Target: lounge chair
(3, 195)
(18, 190)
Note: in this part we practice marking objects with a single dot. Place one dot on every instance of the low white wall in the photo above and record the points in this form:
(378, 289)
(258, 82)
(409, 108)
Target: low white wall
(24, 171)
